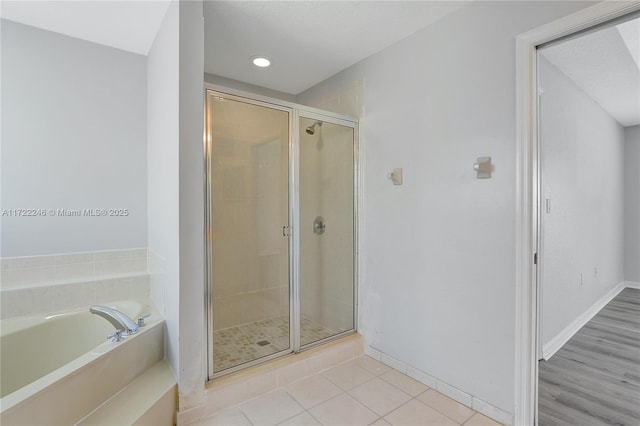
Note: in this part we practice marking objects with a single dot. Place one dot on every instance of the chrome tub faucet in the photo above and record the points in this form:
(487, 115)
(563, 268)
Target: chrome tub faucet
(123, 324)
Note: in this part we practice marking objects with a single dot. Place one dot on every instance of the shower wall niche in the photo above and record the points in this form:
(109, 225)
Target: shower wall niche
(281, 229)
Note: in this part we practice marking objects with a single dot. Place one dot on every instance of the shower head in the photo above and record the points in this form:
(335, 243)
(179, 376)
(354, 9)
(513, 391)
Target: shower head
(312, 129)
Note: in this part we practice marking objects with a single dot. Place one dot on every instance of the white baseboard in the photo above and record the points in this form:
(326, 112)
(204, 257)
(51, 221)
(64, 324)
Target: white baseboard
(553, 345)
(631, 284)
(452, 392)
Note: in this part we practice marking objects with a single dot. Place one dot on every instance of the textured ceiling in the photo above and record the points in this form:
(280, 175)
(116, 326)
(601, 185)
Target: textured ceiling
(129, 25)
(307, 41)
(606, 65)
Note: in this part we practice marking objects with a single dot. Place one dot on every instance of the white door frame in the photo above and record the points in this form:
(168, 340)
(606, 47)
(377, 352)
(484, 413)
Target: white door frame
(527, 197)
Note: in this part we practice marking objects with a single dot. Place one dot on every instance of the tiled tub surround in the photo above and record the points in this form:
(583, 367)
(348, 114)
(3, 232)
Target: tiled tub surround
(32, 270)
(342, 390)
(36, 285)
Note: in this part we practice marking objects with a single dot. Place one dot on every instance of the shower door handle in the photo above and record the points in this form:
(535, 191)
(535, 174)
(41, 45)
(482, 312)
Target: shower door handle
(319, 225)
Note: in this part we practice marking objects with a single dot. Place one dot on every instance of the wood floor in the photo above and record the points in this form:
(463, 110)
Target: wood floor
(595, 378)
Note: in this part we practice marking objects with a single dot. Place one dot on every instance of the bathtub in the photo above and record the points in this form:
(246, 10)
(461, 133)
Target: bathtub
(58, 369)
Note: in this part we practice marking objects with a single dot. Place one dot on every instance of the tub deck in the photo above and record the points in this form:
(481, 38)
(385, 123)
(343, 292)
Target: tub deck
(76, 361)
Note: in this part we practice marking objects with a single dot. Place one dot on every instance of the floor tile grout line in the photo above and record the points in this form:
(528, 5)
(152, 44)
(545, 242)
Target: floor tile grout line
(347, 392)
(314, 417)
(397, 387)
(295, 415)
(376, 421)
(298, 402)
(428, 405)
(415, 397)
(246, 417)
(381, 416)
(434, 408)
(321, 373)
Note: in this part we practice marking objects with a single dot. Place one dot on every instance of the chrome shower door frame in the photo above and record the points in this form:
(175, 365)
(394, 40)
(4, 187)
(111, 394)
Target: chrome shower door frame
(327, 117)
(295, 112)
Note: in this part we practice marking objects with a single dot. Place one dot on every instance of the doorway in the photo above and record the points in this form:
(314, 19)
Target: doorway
(588, 100)
(528, 194)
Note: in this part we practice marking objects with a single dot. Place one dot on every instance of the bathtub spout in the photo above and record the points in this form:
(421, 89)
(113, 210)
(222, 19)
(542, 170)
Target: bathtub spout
(119, 320)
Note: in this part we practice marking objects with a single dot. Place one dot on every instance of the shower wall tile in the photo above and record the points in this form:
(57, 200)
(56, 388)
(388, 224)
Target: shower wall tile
(233, 183)
(224, 288)
(337, 316)
(249, 253)
(254, 306)
(225, 312)
(273, 303)
(243, 308)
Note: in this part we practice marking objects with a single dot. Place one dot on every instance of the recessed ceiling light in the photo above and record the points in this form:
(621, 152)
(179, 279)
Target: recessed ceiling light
(262, 62)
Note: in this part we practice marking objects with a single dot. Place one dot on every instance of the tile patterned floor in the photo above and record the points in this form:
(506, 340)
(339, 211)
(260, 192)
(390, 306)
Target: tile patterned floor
(237, 345)
(360, 392)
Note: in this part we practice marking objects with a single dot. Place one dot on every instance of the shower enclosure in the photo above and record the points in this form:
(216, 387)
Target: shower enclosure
(281, 234)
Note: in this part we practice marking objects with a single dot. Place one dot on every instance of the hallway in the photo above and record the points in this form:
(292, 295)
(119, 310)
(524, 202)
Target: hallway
(595, 378)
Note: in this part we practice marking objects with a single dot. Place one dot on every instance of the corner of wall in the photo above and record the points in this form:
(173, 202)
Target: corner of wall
(191, 319)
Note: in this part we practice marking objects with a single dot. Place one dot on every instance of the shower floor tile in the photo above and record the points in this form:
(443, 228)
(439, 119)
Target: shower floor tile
(238, 345)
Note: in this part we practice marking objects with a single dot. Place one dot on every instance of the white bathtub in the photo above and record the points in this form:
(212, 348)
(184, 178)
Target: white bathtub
(58, 369)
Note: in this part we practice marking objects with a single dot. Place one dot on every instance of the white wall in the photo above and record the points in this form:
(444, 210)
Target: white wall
(439, 263)
(582, 236)
(632, 204)
(191, 154)
(163, 177)
(73, 137)
(176, 202)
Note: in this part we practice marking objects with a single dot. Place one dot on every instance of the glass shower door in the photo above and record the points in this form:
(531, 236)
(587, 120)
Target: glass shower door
(326, 229)
(249, 214)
